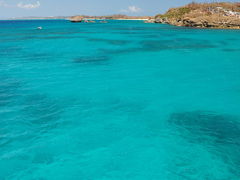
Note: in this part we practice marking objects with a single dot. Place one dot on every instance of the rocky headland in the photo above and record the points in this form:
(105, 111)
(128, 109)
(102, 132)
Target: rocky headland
(202, 15)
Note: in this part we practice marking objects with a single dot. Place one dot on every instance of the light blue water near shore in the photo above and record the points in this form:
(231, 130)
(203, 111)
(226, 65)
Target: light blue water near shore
(123, 100)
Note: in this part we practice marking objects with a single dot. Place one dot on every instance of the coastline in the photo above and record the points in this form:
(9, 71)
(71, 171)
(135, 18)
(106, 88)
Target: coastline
(131, 19)
(68, 18)
(202, 15)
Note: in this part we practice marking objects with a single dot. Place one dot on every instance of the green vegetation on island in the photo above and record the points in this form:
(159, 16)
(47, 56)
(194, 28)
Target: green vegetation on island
(203, 15)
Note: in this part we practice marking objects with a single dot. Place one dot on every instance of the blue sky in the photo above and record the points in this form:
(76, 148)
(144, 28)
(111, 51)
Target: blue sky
(23, 8)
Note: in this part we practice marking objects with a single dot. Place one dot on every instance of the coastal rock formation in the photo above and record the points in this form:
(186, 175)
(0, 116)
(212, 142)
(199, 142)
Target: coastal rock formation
(205, 15)
(76, 19)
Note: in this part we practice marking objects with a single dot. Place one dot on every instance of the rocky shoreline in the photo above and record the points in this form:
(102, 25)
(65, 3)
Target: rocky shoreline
(206, 15)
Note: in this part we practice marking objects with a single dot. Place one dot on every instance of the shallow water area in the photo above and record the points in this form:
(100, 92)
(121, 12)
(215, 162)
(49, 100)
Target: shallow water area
(118, 100)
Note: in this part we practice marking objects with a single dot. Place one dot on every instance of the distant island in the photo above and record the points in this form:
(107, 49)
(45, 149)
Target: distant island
(202, 15)
(37, 18)
(86, 17)
(80, 18)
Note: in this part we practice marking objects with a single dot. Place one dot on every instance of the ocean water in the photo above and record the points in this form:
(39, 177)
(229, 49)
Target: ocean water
(118, 101)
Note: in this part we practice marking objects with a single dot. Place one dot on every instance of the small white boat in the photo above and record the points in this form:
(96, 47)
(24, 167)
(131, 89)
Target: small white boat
(39, 28)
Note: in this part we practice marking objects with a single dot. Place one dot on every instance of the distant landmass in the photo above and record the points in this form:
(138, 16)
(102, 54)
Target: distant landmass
(202, 15)
(36, 18)
(81, 17)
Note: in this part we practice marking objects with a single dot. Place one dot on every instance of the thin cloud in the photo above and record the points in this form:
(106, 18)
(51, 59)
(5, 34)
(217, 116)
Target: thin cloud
(3, 4)
(132, 9)
(29, 6)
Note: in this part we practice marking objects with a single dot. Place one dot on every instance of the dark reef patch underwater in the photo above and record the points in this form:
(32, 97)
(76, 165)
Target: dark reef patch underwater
(96, 60)
(110, 41)
(118, 101)
(8, 90)
(219, 133)
(155, 45)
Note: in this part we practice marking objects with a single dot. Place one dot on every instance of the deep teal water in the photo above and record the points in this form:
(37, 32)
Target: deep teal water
(123, 100)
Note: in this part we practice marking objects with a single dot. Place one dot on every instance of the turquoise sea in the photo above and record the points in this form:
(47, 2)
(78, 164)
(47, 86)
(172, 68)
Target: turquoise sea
(118, 101)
